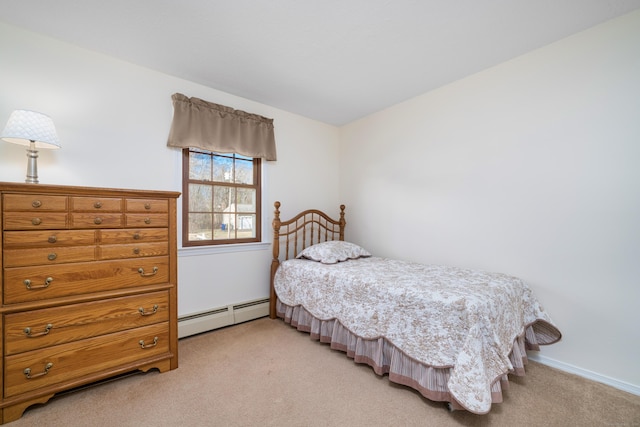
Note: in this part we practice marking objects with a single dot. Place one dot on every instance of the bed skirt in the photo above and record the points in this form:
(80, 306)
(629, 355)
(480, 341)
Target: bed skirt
(385, 358)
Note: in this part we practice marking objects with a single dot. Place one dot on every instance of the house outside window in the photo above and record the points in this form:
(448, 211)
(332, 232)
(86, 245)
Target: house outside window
(221, 198)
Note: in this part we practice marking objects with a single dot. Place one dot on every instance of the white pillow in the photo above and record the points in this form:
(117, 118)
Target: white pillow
(333, 252)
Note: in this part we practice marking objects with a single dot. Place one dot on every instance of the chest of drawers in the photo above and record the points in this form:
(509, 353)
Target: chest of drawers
(89, 288)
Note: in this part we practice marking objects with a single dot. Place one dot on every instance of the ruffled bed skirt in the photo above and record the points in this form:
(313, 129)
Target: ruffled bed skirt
(385, 358)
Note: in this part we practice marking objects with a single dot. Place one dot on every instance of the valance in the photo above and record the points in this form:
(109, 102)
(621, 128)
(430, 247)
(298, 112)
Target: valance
(212, 127)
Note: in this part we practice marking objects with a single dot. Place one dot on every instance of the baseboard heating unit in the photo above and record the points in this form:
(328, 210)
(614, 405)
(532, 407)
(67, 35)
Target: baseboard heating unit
(197, 323)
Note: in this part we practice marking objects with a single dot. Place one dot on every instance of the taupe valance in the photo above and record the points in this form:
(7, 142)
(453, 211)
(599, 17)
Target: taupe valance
(208, 126)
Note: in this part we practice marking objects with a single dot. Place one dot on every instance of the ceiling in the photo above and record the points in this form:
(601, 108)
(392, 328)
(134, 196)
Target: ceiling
(330, 60)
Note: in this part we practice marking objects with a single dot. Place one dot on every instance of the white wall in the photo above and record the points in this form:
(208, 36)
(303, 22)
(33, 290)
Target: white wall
(529, 168)
(113, 119)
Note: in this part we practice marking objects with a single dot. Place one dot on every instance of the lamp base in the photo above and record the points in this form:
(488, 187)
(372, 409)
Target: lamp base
(32, 164)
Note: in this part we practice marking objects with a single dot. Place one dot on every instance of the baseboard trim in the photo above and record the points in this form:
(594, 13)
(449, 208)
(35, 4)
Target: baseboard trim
(620, 385)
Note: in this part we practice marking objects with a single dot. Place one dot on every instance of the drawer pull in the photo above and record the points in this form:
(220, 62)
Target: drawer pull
(52, 239)
(36, 203)
(36, 221)
(147, 220)
(27, 372)
(155, 343)
(149, 313)
(136, 251)
(47, 282)
(147, 206)
(143, 274)
(27, 331)
(52, 257)
(136, 236)
(97, 205)
(97, 221)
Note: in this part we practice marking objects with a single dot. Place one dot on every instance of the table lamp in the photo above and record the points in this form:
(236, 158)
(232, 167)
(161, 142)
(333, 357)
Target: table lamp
(35, 130)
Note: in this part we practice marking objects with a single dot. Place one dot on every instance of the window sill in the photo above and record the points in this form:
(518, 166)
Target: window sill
(223, 249)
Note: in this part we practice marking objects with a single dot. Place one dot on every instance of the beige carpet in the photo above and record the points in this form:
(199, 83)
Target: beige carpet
(265, 373)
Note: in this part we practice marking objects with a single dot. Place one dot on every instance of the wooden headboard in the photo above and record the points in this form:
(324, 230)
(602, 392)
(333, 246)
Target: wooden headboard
(294, 235)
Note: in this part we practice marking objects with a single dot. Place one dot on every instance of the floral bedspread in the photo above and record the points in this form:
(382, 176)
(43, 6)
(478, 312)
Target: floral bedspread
(438, 315)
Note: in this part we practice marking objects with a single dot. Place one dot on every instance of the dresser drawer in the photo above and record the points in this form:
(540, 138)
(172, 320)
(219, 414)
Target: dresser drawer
(96, 220)
(133, 236)
(66, 362)
(52, 239)
(34, 220)
(82, 278)
(48, 256)
(34, 202)
(146, 220)
(104, 204)
(36, 329)
(134, 250)
(147, 205)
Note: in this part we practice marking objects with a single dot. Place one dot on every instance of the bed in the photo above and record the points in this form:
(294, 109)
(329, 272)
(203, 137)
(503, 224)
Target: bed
(452, 334)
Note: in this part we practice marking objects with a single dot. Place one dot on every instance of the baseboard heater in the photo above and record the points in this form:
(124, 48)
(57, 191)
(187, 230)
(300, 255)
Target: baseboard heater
(204, 321)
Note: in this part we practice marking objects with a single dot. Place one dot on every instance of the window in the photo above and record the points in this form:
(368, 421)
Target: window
(221, 198)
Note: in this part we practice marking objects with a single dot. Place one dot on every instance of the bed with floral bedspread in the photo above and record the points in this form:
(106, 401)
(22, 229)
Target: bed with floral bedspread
(452, 334)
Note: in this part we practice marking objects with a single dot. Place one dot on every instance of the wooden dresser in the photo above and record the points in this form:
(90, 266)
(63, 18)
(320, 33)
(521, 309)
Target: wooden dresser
(89, 288)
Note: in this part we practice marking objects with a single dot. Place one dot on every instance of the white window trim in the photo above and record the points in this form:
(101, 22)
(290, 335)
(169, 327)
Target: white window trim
(223, 249)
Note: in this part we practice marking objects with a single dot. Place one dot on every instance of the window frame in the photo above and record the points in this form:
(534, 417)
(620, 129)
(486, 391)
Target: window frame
(186, 181)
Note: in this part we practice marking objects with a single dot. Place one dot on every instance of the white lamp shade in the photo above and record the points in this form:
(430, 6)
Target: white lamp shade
(26, 126)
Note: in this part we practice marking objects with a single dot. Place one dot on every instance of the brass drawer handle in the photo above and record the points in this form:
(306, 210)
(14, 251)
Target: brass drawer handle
(52, 239)
(27, 331)
(148, 313)
(52, 257)
(155, 343)
(147, 206)
(97, 205)
(136, 236)
(97, 221)
(36, 203)
(27, 372)
(47, 282)
(147, 220)
(143, 274)
(36, 221)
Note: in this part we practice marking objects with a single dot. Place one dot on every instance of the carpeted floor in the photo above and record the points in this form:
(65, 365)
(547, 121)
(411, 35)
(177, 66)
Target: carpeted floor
(265, 373)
